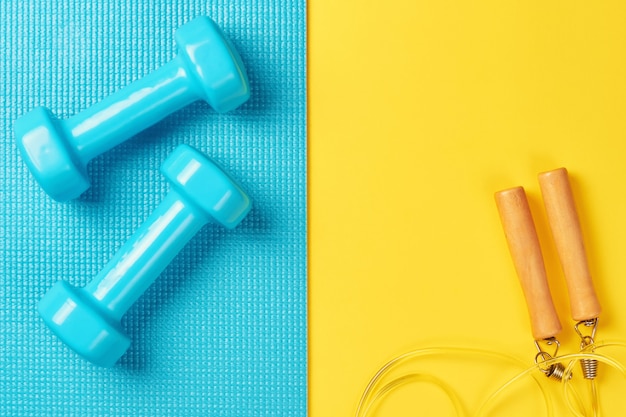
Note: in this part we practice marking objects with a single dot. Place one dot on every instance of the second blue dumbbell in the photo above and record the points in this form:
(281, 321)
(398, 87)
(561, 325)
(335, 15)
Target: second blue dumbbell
(207, 68)
(88, 319)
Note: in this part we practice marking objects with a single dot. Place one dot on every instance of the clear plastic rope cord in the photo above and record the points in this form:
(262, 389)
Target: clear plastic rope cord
(377, 389)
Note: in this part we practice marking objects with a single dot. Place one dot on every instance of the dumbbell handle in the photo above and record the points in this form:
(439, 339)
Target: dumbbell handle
(566, 231)
(523, 243)
(130, 110)
(144, 256)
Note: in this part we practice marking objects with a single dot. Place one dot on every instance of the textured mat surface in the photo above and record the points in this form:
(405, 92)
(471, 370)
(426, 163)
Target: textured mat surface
(222, 332)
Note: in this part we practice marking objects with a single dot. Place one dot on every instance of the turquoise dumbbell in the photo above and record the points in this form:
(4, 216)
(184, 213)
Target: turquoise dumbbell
(207, 68)
(88, 319)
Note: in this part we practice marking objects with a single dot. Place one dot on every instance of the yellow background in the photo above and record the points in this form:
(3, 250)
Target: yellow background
(418, 112)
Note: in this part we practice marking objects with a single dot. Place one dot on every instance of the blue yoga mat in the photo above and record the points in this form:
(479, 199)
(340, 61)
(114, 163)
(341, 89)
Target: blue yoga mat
(222, 332)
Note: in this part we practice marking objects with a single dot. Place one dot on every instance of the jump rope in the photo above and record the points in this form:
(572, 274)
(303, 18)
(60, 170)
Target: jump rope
(523, 243)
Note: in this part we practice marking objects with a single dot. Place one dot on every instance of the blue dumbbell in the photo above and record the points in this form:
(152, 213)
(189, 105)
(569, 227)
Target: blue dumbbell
(207, 68)
(88, 319)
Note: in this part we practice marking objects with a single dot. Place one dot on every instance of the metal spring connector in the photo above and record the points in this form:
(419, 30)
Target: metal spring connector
(589, 366)
(555, 371)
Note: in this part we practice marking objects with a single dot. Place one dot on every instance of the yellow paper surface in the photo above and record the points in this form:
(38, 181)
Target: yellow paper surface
(419, 112)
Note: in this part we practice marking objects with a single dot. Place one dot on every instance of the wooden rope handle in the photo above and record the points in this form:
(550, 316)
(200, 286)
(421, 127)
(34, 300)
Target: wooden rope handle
(567, 234)
(523, 243)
